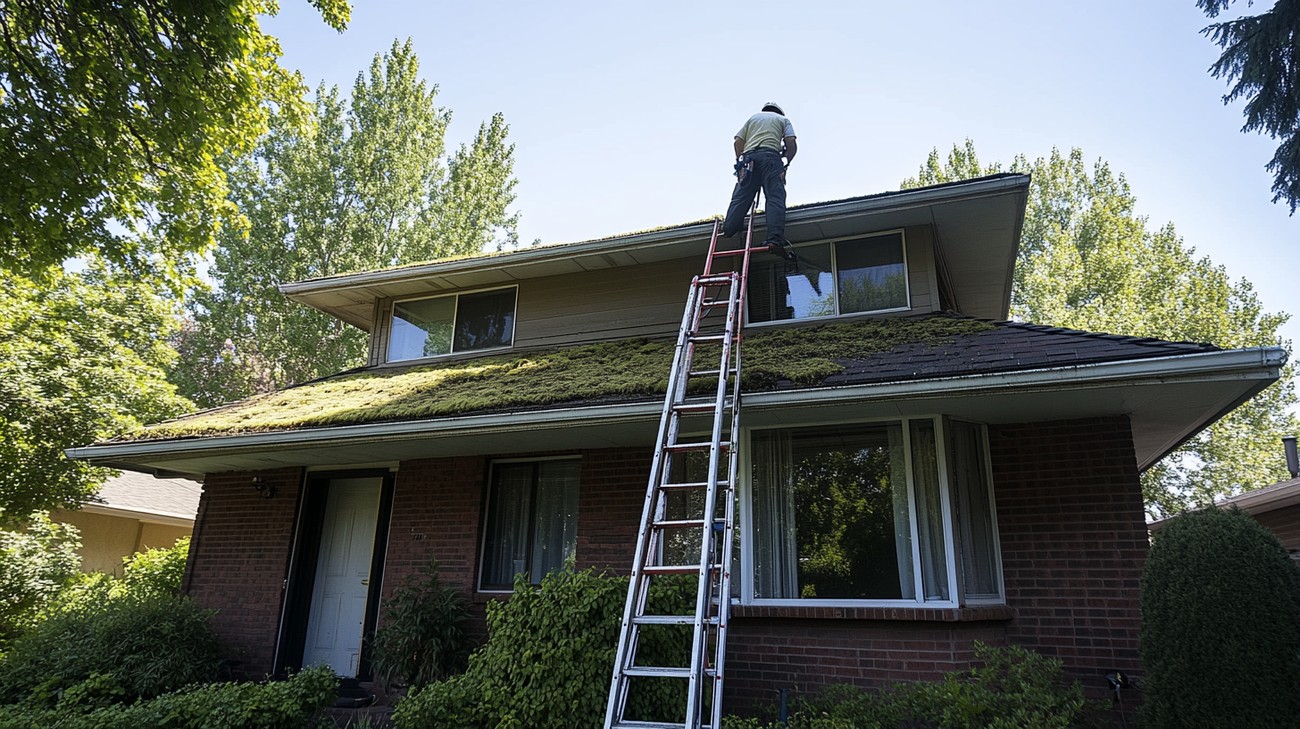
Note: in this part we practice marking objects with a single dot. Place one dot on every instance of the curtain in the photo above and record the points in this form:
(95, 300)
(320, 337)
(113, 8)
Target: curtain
(556, 532)
(902, 516)
(506, 539)
(775, 558)
(929, 511)
(978, 538)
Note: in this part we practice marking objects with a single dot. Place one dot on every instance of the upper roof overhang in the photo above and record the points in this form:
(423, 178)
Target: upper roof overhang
(977, 226)
(1168, 400)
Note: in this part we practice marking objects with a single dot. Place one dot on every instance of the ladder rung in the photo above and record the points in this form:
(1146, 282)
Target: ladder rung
(700, 407)
(716, 279)
(689, 486)
(709, 337)
(680, 523)
(701, 446)
(673, 569)
(663, 671)
(711, 373)
(716, 302)
(651, 725)
(671, 620)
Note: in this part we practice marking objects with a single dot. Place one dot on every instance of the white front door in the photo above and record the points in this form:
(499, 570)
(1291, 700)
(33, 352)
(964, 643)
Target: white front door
(342, 584)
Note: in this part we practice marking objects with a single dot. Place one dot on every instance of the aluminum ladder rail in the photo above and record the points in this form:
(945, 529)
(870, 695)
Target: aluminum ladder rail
(710, 292)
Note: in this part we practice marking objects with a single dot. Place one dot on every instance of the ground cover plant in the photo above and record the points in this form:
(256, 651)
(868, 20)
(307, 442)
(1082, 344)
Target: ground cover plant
(291, 704)
(1013, 688)
(422, 637)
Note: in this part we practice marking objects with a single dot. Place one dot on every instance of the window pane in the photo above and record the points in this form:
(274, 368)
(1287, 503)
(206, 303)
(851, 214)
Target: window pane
(776, 294)
(506, 536)
(975, 513)
(485, 320)
(929, 511)
(832, 518)
(421, 328)
(872, 275)
(532, 522)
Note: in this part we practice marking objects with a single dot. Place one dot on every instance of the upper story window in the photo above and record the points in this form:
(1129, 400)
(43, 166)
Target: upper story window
(455, 323)
(890, 513)
(833, 278)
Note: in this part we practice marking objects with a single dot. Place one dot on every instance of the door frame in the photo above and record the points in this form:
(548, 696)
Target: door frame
(300, 575)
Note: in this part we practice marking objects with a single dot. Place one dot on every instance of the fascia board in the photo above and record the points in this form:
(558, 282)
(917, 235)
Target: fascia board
(1258, 363)
(148, 517)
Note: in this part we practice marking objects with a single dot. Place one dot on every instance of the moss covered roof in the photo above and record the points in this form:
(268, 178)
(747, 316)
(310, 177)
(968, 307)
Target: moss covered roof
(608, 371)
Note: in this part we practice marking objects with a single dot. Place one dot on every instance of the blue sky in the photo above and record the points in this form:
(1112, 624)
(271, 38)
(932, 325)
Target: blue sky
(622, 113)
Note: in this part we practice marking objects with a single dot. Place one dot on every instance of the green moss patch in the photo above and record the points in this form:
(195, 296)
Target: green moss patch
(629, 368)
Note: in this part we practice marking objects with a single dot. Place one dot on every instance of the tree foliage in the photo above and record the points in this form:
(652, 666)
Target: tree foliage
(1088, 261)
(113, 117)
(83, 357)
(1261, 63)
(366, 184)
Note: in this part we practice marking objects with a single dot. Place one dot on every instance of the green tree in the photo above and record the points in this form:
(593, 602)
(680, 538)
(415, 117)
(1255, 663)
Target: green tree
(1088, 261)
(367, 184)
(83, 357)
(113, 117)
(1262, 66)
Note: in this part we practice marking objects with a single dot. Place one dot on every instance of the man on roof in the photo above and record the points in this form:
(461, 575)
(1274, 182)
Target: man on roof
(759, 145)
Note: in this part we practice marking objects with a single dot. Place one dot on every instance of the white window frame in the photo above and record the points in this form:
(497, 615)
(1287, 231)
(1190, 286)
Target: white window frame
(946, 495)
(487, 511)
(835, 281)
(455, 312)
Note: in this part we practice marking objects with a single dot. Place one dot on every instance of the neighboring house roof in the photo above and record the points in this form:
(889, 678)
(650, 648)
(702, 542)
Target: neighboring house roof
(989, 371)
(141, 496)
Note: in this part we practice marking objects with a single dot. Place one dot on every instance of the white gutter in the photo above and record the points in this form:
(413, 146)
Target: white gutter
(886, 202)
(1243, 364)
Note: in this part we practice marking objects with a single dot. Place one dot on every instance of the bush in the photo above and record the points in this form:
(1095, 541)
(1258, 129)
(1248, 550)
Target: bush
(423, 636)
(281, 705)
(34, 565)
(1220, 636)
(156, 572)
(121, 650)
(1014, 689)
(549, 657)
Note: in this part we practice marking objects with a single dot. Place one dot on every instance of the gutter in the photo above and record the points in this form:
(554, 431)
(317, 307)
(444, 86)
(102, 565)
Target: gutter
(1243, 364)
(902, 200)
(148, 517)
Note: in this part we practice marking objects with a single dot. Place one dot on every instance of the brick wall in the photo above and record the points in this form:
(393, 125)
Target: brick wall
(238, 561)
(1073, 541)
(1069, 510)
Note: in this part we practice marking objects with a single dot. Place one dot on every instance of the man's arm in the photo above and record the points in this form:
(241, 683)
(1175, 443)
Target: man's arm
(791, 147)
(739, 145)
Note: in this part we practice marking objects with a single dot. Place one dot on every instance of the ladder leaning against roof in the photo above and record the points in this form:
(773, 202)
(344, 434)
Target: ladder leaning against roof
(680, 505)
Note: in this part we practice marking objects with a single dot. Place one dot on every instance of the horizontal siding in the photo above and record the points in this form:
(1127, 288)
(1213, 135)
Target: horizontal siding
(645, 300)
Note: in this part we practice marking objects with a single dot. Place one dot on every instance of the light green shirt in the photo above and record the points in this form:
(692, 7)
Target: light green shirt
(765, 130)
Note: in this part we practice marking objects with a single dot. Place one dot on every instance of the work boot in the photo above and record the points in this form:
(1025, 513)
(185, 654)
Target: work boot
(782, 248)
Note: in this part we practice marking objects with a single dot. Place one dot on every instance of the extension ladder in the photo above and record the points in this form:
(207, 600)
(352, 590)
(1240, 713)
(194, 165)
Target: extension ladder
(703, 497)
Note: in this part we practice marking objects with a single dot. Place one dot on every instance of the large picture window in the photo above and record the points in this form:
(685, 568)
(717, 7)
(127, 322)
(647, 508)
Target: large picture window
(456, 323)
(532, 520)
(854, 276)
(865, 512)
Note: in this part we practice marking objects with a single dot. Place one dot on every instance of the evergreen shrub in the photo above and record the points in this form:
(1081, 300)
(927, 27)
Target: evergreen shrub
(549, 657)
(290, 704)
(1220, 636)
(117, 651)
(422, 638)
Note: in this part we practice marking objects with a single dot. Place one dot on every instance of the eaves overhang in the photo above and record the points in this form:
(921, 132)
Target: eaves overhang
(1167, 399)
(977, 222)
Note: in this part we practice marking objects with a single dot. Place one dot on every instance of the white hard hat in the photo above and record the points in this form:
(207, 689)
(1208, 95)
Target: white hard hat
(773, 106)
